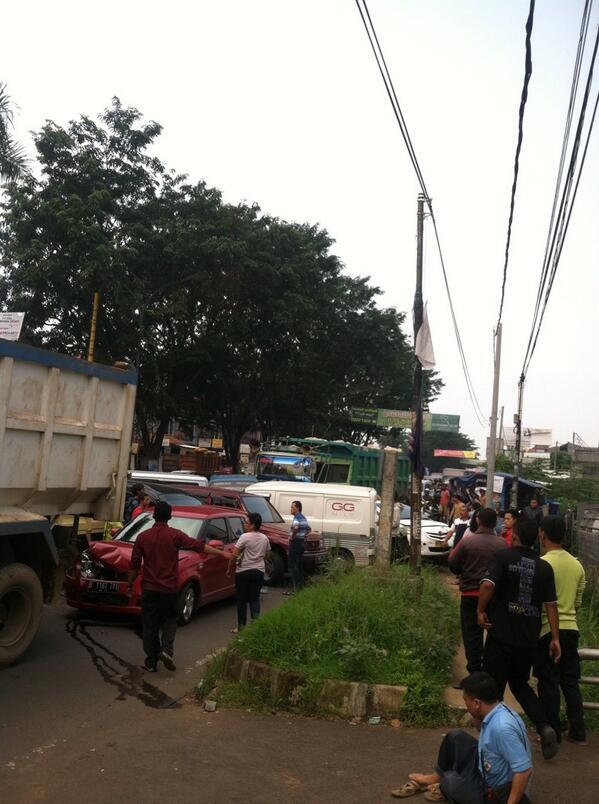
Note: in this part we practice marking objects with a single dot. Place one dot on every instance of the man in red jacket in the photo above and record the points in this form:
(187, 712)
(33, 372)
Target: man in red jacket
(158, 548)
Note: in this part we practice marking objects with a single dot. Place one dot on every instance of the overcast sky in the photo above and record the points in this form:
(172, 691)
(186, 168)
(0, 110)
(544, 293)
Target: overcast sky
(280, 102)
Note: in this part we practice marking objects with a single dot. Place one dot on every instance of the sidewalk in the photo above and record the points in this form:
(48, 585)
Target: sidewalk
(235, 757)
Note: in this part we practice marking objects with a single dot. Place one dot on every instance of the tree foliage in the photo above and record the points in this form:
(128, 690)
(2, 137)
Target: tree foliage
(231, 316)
(13, 160)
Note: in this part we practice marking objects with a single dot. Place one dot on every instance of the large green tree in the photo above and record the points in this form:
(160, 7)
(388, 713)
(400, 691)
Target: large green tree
(230, 315)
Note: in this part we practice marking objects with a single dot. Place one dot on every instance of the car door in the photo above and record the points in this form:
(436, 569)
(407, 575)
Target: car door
(214, 569)
(236, 530)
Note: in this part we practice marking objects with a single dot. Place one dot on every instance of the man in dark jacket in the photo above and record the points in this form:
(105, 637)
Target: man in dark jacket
(470, 560)
(158, 548)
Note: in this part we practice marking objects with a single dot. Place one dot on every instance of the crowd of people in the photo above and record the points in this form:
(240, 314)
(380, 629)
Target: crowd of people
(520, 589)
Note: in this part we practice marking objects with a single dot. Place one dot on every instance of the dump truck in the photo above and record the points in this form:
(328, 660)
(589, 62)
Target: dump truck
(65, 443)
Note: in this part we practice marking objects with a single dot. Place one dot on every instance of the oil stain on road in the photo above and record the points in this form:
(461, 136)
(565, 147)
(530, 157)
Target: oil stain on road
(128, 679)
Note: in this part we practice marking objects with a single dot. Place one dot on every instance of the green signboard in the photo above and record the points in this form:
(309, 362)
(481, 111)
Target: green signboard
(437, 422)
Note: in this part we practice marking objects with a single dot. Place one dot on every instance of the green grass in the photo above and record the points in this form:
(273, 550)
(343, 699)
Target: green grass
(588, 623)
(356, 627)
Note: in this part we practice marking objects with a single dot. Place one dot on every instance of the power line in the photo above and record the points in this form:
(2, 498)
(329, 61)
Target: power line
(564, 215)
(584, 26)
(523, 99)
(395, 105)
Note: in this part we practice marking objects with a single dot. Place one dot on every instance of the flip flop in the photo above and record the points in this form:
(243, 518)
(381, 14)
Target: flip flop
(434, 793)
(408, 790)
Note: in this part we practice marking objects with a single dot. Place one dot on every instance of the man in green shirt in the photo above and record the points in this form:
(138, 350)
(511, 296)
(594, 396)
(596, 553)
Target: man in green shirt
(569, 584)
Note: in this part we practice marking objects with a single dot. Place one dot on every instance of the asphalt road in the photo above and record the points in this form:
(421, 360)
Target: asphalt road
(83, 675)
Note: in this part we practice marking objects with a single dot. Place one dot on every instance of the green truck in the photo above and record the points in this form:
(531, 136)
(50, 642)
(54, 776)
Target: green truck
(334, 462)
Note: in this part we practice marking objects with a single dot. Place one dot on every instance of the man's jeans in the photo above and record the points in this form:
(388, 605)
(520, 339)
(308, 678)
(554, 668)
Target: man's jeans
(472, 633)
(159, 623)
(564, 674)
(295, 562)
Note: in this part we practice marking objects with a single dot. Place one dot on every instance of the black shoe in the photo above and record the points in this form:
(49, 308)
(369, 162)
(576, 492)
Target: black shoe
(168, 661)
(549, 743)
(149, 667)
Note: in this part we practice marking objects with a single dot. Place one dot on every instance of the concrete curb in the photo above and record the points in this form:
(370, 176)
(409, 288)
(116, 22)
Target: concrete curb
(349, 699)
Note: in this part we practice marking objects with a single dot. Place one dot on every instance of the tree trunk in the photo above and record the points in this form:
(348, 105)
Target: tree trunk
(151, 446)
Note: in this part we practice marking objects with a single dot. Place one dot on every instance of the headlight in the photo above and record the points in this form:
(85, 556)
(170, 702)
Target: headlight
(88, 567)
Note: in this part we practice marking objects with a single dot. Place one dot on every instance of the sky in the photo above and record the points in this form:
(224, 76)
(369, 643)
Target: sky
(280, 102)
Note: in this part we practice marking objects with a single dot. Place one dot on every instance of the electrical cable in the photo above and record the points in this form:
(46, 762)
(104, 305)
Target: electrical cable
(565, 209)
(390, 89)
(584, 25)
(523, 99)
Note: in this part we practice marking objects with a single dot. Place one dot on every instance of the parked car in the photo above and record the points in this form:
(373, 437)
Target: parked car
(98, 580)
(168, 493)
(432, 534)
(168, 477)
(232, 481)
(273, 526)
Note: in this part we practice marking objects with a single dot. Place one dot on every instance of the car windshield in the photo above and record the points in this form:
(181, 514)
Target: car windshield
(260, 505)
(180, 499)
(143, 522)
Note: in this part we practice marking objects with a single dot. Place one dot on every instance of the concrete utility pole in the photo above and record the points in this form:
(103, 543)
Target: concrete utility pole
(383, 546)
(415, 489)
(517, 458)
(492, 446)
(500, 436)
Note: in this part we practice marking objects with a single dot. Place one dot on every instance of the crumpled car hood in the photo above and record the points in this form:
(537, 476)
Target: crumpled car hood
(115, 555)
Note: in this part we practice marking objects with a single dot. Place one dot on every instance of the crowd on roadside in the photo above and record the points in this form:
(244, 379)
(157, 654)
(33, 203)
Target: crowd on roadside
(520, 589)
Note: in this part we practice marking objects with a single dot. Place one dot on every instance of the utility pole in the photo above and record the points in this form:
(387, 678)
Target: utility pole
(383, 545)
(517, 456)
(555, 461)
(492, 445)
(500, 436)
(92, 330)
(416, 483)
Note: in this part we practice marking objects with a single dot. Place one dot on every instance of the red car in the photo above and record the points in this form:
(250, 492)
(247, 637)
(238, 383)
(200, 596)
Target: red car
(98, 581)
(273, 526)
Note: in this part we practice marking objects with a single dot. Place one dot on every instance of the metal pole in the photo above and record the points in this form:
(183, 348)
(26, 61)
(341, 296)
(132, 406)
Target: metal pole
(383, 546)
(415, 488)
(500, 436)
(492, 445)
(92, 331)
(517, 458)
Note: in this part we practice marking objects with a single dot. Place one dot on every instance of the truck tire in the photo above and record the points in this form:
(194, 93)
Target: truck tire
(21, 601)
(275, 569)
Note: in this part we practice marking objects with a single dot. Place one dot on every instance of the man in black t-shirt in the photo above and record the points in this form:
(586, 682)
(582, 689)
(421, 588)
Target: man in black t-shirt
(514, 591)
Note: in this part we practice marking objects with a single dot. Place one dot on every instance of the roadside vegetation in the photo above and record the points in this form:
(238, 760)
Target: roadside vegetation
(356, 627)
(588, 622)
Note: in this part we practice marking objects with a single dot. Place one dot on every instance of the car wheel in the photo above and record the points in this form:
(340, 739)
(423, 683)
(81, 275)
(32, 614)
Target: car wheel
(344, 558)
(187, 603)
(274, 574)
(21, 601)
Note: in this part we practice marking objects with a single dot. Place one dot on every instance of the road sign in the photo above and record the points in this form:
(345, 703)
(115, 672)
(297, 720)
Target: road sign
(383, 417)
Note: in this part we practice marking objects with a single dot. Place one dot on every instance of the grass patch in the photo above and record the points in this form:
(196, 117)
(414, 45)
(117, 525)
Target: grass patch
(356, 627)
(588, 623)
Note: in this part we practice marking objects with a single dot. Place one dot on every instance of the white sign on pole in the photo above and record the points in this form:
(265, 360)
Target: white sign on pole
(498, 484)
(10, 325)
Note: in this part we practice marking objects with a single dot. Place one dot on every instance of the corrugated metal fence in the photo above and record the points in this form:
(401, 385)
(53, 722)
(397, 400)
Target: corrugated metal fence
(593, 655)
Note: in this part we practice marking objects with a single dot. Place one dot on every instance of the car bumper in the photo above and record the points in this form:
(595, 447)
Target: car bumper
(114, 600)
(314, 560)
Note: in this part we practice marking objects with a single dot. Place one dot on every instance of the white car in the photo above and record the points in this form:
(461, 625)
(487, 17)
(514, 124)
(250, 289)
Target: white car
(432, 533)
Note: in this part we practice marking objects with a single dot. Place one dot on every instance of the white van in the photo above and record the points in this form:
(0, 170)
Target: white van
(345, 516)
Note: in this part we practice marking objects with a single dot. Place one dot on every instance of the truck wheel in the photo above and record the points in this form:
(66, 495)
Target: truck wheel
(275, 569)
(21, 601)
(343, 558)
(187, 603)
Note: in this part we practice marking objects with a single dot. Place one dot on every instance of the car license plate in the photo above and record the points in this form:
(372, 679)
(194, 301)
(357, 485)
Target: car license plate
(102, 586)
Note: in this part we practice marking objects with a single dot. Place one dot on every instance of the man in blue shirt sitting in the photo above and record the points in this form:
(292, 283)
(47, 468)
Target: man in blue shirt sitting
(496, 767)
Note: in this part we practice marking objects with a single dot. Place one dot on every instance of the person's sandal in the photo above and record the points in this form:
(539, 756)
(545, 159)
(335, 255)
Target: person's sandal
(408, 790)
(434, 793)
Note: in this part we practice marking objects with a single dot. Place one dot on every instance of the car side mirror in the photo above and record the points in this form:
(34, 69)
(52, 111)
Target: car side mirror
(217, 544)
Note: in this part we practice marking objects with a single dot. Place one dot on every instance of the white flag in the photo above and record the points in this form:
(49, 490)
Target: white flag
(424, 343)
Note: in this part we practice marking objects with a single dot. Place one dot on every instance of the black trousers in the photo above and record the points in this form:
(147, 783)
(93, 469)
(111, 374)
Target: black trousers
(472, 634)
(247, 586)
(159, 623)
(512, 664)
(295, 562)
(457, 765)
(565, 675)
